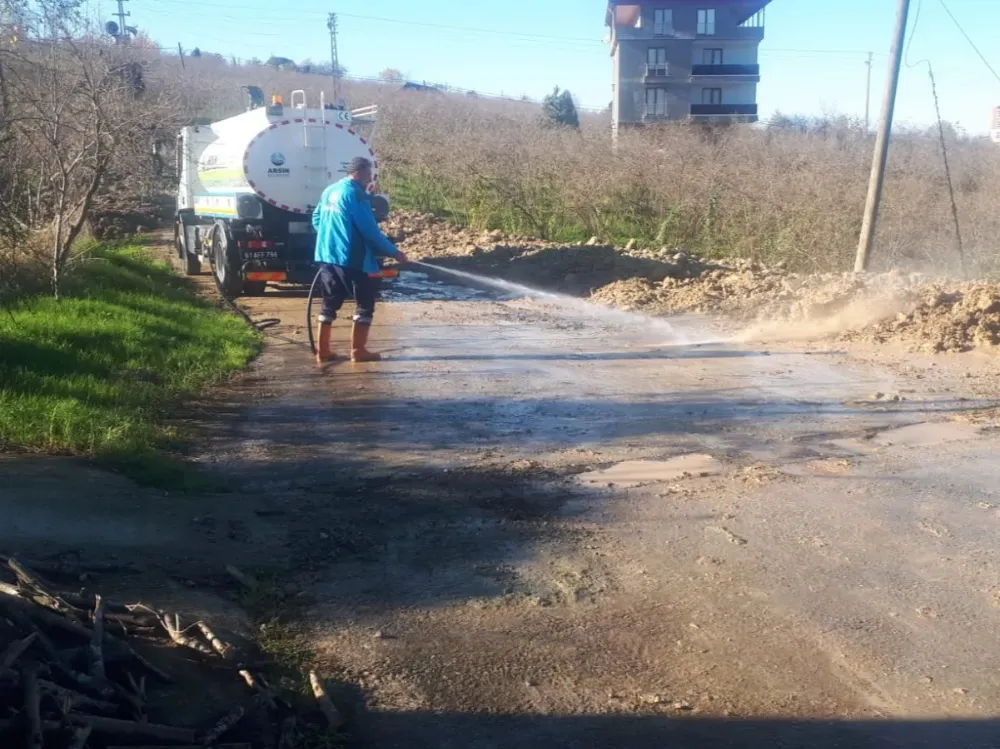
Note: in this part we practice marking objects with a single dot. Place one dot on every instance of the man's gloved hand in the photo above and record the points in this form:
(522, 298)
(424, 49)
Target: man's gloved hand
(401, 257)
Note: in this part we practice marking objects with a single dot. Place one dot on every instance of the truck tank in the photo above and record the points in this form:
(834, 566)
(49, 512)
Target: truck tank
(286, 161)
(248, 186)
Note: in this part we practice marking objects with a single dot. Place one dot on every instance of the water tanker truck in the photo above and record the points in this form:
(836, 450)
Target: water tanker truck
(249, 184)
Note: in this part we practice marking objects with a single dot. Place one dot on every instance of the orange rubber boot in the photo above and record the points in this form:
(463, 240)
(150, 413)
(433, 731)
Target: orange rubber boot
(359, 340)
(323, 352)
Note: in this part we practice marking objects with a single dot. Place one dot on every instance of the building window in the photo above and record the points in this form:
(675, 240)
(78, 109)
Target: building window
(656, 62)
(706, 22)
(711, 96)
(663, 21)
(711, 57)
(656, 102)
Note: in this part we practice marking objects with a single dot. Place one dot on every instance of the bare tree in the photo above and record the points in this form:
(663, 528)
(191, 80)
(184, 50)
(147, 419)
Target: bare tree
(75, 112)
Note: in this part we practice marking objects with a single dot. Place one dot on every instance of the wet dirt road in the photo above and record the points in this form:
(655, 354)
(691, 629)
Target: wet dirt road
(536, 527)
(531, 527)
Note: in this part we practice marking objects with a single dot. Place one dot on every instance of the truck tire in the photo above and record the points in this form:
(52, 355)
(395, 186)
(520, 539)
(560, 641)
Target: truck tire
(192, 266)
(225, 265)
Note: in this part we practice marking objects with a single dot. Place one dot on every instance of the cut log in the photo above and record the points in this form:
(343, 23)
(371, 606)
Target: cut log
(221, 647)
(138, 687)
(332, 714)
(80, 736)
(55, 660)
(16, 650)
(162, 676)
(13, 724)
(32, 581)
(135, 730)
(32, 710)
(261, 689)
(46, 618)
(190, 746)
(76, 699)
(97, 644)
(227, 723)
(27, 577)
(287, 733)
(179, 638)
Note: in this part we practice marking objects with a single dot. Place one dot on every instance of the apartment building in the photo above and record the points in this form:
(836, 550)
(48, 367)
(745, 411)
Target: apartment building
(685, 59)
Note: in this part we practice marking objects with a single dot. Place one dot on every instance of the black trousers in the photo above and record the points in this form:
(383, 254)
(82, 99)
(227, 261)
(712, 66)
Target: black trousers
(337, 284)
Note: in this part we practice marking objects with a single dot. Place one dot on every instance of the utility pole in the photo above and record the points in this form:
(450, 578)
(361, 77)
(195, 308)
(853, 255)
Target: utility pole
(877, 178)
(122, 15)
(868, 94)
(331, 24)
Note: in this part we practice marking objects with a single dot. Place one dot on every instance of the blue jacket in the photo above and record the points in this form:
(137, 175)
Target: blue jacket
(346, 231)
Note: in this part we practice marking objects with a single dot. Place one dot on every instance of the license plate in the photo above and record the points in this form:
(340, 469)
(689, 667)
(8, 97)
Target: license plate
(261, 255)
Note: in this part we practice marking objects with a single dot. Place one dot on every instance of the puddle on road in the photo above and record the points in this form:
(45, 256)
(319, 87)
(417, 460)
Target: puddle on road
(639, 472)
(415, 286)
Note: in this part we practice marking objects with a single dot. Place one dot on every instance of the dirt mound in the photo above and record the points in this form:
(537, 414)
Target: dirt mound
(766, 302)
(945, 317)
(579, 268)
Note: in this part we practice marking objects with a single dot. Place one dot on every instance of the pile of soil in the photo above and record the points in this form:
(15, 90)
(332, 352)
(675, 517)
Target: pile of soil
(945, 318)
(924, 313)
(578, 269)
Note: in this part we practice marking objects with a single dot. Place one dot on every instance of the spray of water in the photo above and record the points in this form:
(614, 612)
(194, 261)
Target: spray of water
(584, 309)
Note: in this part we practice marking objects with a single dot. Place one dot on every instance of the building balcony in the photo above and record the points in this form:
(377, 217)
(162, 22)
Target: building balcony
(657, 73)
(725, 71)
(740, 33)
(724, 110)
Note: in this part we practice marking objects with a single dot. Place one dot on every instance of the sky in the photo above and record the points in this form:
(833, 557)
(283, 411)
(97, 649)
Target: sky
(812, 59)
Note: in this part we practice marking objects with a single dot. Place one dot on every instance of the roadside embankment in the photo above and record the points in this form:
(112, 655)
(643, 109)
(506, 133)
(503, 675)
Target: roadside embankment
(98, 371)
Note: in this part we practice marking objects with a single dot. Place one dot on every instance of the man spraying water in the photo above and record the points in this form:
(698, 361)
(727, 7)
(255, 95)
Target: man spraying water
(348, 245)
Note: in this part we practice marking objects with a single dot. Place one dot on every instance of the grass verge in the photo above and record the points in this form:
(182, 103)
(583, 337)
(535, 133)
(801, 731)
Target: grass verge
(96, 372)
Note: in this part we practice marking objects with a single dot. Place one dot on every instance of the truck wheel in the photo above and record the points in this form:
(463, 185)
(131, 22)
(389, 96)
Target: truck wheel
(254, 288)
(192, 266)
(224, 268)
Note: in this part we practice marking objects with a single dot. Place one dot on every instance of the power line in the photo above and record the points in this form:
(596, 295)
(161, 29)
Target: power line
(947, 173)
(969, 40)
(909, 42)
(819, 51)
(523, 36)
(424, 24)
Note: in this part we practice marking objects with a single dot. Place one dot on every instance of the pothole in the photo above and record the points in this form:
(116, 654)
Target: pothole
(634, 473)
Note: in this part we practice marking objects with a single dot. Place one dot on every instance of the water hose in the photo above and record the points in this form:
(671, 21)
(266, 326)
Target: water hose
(309, 307)
(261, 325)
